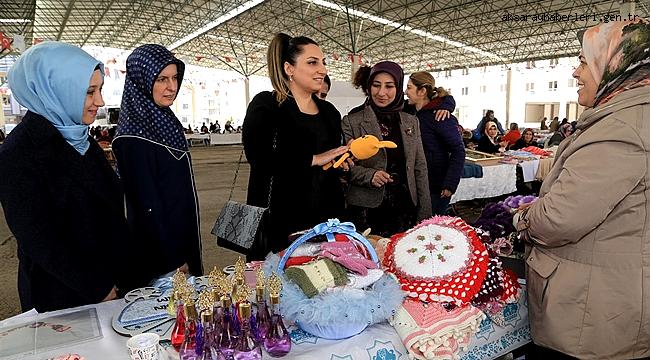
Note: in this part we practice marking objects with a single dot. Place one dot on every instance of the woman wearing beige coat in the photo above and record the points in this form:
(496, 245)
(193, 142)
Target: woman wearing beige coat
(588, 273)
(390, 191)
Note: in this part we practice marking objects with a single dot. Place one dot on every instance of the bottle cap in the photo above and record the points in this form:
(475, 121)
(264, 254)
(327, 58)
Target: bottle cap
(226, 301)
(190, 311)
(206, 316)
(245, 310)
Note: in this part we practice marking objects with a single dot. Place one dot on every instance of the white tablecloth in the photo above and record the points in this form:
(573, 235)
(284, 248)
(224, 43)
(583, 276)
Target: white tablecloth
(497, 180)
(376, 342)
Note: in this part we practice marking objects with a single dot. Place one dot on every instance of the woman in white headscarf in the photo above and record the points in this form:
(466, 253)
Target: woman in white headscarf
(61, 198)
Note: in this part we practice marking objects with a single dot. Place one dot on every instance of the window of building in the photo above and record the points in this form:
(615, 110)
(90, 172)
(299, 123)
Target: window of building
(530, 87)
(184, 119)
(465, 71)
(186, 106)
(502, 87)
(530, 64)
(483, 89)
(554, 62)
(552, 86)
(210, 103)
(465, 91)
(448, 73)
(573, 83)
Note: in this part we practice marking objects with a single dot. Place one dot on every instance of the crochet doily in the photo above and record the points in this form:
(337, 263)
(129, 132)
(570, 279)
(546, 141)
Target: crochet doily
(441, 259)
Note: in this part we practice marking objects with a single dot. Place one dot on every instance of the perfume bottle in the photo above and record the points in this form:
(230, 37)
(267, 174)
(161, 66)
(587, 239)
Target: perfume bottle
(178, 333)
(227, 340)
(247, 348)
(261, 322)
(188, 348)
(209, 350)
(277, 342)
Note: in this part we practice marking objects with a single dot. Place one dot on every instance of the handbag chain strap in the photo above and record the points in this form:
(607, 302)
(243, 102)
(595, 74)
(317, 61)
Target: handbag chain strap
(241, 155)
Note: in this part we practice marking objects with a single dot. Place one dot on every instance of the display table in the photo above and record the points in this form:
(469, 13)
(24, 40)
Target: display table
(497, 180)
(377, 342)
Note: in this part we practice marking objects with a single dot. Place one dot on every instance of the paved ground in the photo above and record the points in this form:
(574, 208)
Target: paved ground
(214, 170)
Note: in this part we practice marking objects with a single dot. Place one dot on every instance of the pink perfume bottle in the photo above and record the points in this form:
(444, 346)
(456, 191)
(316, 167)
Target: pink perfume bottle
(188, 350)
(178, 333)
(247, 348)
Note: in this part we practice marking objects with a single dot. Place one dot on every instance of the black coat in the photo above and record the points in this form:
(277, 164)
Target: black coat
(486, 146)
(162, 207)
(67, 214)
(295, 203)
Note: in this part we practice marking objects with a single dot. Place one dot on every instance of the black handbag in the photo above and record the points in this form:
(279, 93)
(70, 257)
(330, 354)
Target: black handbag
(241, 227)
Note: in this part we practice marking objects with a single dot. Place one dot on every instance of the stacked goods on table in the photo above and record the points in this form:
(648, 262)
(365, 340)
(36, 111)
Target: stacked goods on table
(452, 282)
(333, 285)
(495, 226)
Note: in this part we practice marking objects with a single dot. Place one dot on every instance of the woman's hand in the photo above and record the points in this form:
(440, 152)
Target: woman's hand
(324, 158)
(184, 269)
(381, 178)
(442, 115)
(111, 295)
(446, 193)
(347, 164)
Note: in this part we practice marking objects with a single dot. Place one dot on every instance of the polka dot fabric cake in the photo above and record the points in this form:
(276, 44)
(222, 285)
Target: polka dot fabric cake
(441, 259)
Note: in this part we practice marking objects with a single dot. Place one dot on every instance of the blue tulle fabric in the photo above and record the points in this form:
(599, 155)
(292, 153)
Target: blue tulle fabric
(337, 315)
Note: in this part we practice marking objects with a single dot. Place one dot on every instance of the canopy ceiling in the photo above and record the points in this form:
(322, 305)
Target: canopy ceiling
(233, 34)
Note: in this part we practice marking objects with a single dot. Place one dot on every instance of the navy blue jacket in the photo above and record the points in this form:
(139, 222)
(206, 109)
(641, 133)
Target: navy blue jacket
(162, 206)
(67, 214)
(443, 145)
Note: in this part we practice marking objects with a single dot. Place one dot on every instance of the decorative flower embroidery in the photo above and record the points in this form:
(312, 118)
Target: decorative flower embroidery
(422, 259)
(421, 237)
(441, 258)
(411, 250)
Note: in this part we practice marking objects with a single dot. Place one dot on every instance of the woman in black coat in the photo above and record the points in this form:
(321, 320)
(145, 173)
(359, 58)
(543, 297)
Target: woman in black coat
(61, 199)
(306, 132)
(154, 163)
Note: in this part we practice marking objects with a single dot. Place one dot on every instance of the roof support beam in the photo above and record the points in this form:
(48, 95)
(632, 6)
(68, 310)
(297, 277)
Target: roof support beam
(65, 19)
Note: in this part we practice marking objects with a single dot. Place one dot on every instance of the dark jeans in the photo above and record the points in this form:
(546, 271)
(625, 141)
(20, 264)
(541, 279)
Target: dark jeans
(439, 204)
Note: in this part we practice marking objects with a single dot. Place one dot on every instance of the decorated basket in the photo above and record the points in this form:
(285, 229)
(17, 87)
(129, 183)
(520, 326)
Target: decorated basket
(344, 312)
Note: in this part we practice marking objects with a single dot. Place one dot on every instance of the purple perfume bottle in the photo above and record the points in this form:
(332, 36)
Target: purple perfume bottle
(209, 349)
(227, 339)
(262, 318)
(277, 342)
(188, 348)
(247, 348)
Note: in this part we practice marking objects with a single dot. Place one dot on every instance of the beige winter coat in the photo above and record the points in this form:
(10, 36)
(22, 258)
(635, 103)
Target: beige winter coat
(588, 272)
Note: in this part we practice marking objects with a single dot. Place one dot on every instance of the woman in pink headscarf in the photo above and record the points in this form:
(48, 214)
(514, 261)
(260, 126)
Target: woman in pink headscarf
(588, 273)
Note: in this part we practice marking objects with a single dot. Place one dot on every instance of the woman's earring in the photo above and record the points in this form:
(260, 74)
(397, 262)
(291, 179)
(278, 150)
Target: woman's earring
(290, 77)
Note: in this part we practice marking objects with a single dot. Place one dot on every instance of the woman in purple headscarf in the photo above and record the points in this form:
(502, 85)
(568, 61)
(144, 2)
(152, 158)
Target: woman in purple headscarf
(154, 163)
(389, 191)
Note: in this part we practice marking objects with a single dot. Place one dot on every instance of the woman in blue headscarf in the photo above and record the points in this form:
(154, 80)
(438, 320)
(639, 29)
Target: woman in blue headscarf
(154, 163)
(56, 186)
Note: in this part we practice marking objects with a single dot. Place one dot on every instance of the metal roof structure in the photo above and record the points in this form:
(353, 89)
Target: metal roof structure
(234, 34)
